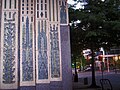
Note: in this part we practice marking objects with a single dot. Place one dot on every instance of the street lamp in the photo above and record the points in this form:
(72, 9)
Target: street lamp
(103, 53)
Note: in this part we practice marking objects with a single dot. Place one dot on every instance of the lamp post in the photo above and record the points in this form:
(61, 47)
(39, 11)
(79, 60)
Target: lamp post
(108, 67)
(103, 53)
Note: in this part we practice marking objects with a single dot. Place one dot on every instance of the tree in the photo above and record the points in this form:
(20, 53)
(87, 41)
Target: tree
(99, 27)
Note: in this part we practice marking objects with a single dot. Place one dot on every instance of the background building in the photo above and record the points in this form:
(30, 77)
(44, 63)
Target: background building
(35, 46)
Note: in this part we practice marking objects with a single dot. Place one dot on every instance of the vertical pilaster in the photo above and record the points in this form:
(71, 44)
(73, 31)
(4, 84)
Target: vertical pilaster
(42, 50)
(0, 35)
(65, 46)
(9, 45)
(55, 43)
(27, 45)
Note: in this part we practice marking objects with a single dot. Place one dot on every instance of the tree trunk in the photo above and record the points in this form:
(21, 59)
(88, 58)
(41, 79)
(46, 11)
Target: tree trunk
(93, 85)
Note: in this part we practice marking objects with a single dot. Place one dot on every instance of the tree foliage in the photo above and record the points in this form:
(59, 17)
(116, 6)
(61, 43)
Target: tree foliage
(99, 24)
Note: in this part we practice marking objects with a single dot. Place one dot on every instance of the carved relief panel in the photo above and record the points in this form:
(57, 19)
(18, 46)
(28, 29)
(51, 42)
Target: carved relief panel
(27, 45)
(55, 53)
(9, 45)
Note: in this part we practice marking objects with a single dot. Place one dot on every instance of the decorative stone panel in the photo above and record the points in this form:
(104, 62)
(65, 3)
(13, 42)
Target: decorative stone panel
(9, 45)
(27, 43)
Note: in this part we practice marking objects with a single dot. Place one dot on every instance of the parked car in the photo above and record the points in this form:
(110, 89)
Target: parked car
(87, 68)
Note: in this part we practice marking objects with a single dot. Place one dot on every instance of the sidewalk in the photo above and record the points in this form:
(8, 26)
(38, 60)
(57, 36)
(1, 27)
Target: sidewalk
(114, 79)
(81, 86)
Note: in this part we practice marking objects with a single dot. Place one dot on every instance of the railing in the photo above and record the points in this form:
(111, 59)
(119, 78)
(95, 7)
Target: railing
(106, 84)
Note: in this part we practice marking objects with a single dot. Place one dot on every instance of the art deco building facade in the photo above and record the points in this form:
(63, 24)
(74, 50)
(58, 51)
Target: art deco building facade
(34, 45)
